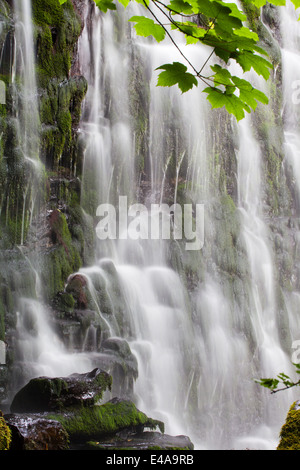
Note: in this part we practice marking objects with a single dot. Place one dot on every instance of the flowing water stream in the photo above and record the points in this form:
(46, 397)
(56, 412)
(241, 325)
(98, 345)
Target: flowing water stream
(197, 352)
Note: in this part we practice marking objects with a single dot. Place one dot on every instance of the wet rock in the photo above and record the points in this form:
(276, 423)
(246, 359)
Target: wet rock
(77, 287)
(143, 441)
(48, 394)
(36, 433)
(118, 345)
(122, 364)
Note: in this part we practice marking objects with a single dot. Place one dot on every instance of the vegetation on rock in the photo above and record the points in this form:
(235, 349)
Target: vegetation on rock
(5, 434)
(290, 431)
(103, 420)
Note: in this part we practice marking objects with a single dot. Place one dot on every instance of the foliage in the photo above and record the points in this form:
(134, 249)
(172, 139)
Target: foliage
(281, 378)
(5, 434)
(290, 431)
(220, 26)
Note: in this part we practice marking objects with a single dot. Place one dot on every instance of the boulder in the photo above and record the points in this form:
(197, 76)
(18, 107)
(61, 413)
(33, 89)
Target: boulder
(48, 394)
(36, 433)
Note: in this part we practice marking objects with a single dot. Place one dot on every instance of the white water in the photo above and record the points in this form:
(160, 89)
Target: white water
(291, 72)
(25, 104)
(217, 350)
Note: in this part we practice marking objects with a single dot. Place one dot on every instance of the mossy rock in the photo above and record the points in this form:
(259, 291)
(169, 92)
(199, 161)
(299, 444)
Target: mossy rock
(62, 259)
(48, 394)
(31, 432)
(57, 29)
(114, 416)
(290, 431)
(5, 434)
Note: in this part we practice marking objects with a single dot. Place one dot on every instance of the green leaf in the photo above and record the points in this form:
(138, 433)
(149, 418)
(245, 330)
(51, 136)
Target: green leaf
(229, 45)
(191, 40)
(232, 103)
(248, 60)
(191, 30)
(125, 3)
(249, 94)
(246, 33)
(62, 1)
(180, 6)
(268, 383)
(261, 3)
(176, 73)
(105, 5)
(226, 17)
(222, 76)
(142, 2)
(146, 27)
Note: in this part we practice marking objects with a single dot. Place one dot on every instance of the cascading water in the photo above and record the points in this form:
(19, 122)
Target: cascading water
(25, 99)
(194, 346)
(157, 326)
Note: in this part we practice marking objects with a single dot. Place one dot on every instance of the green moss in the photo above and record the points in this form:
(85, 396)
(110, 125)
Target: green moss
(63, 259)
(60, 110)
(290, 431)
(64, 302)
(49, 12)
(112, 417)
(252, 13)
(58, 265)
(5, 434)
(57, 29)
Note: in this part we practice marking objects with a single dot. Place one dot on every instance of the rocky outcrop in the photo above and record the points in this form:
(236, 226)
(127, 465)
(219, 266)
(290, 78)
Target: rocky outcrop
(62, 413)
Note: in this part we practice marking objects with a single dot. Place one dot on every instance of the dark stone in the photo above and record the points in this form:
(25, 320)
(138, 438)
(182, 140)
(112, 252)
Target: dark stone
(48, 394)
(143, 441)
(36, 433)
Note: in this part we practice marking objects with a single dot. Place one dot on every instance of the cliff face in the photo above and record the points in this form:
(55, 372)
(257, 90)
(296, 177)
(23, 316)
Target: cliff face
(46, 236)
(40, 186)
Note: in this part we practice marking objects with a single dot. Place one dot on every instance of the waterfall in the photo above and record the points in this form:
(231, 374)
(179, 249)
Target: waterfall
(154, 299)
(184, 333)
(25, 104)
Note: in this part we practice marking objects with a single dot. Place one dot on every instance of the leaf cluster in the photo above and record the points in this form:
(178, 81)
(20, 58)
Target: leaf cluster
(282, 378)
(220, 26)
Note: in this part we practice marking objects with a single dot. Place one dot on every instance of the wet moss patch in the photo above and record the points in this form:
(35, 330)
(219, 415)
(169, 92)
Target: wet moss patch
(290, 431)
(114, 416)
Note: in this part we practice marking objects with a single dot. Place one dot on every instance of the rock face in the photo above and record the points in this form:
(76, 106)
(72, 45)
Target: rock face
(48, 394)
